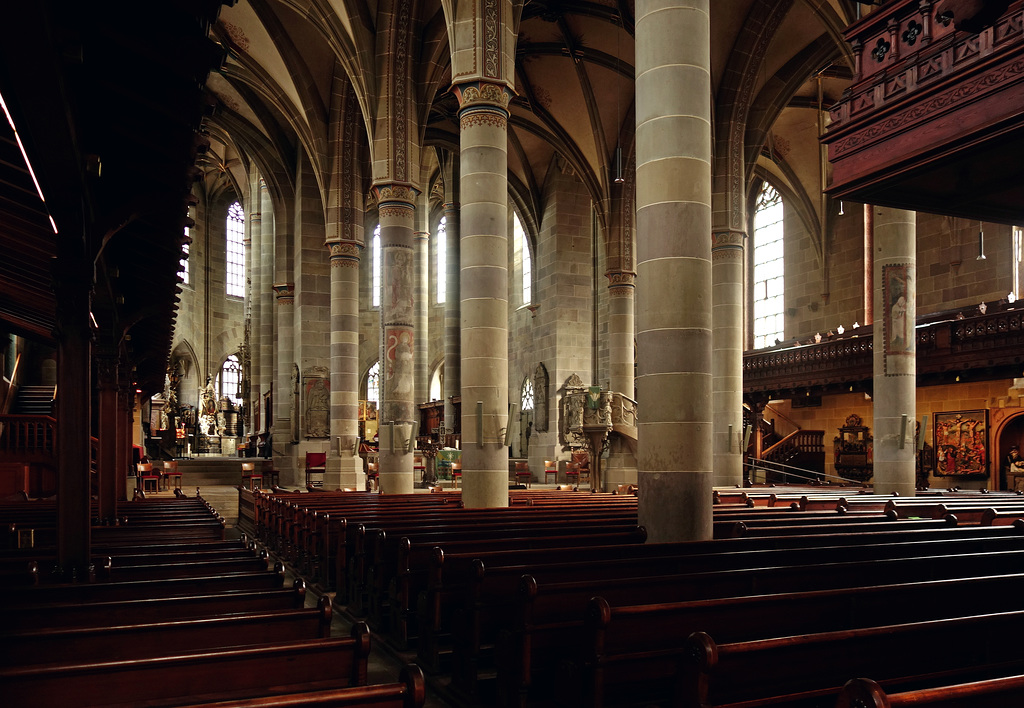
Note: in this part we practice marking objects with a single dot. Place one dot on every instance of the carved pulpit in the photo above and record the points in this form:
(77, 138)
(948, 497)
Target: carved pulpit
(587, 420)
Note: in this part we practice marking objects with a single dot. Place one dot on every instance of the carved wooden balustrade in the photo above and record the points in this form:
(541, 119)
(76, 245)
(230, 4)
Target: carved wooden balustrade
(27, 438)
(932, 120)
(977, 347)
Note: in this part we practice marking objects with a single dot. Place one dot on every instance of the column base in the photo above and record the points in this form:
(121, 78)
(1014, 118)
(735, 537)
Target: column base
(619, 468)
(345, 472)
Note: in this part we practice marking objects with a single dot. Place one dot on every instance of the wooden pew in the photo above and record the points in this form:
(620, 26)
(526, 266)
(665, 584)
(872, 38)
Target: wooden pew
(548, 615)
(808, 669)
(150, 609)
(991, 693)
(140, 589)
(409, 692)
(619, 636)
(196, 677)
(166, 637)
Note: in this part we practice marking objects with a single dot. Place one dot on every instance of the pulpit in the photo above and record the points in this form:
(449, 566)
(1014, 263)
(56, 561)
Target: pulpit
(853, 450)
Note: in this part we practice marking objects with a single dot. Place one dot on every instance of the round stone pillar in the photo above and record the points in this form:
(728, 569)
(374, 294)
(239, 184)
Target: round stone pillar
(344, 365)
(452, 326)
(895, 350)
(254, 302)
(286, 383)
(673, 218)
(620, 467)
(398, 417)
(264, 334)
(483, 237)
(727, 365)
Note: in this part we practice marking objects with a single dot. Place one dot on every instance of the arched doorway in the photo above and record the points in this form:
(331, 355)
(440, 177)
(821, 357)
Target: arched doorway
(1008, 430)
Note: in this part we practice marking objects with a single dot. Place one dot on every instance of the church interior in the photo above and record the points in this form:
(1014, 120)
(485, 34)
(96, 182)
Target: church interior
(518, 352)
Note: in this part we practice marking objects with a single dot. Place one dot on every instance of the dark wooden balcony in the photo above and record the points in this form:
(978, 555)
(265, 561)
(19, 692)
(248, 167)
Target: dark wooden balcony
(933, 119)
(951, 346)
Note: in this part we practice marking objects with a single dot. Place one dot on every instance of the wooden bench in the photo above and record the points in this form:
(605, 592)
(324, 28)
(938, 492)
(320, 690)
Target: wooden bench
(547, 616)
(808, 669)
(409, 692)
(617, 637)
(169, 636)
(992, 693)
(150, 609)
(204, 676)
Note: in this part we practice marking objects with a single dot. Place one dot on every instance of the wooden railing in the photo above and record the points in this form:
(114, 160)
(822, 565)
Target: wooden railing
(28, 438)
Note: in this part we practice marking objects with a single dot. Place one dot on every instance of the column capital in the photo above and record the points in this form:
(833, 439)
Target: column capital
(344, 254)
(285, 292)
(621, 282)
(395, 194)
(483, 103)
(421, 235)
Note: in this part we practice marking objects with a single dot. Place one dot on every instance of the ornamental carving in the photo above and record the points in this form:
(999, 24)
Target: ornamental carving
(620, 279)
(394, 193)
(483, 94)
(540, 398)
(478, 119)
(492, 39)
(285, 292)
(954, 96)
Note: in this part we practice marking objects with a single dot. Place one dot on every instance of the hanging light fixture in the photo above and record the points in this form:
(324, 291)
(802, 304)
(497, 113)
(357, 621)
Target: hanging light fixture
(981, 243)
(841, 212)
(619, 179)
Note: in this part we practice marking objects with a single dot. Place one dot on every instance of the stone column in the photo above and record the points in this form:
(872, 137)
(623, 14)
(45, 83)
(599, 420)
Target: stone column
(869, 264)
(895, 350)
(284, 391)
(452, 324)
(345, 364)
(106, 463)
(74, 413)
(421, 240)
(673, 198)
(483, 119)
(266, 297)
(727, 365)
(621, 463)
(396, 208)
(254, 271)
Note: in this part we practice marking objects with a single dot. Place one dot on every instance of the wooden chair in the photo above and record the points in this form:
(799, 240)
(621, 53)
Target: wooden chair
(147, 476)
(251, 479)
(582, 459)
(316, 464)
(522, 471)
(572, 472)
(171, 475)
(550, 468)
(456, 472)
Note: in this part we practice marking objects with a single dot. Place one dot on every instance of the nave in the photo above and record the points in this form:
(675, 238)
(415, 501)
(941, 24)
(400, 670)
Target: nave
(808, 596)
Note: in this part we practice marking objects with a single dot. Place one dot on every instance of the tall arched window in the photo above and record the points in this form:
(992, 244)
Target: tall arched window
(230, 376)
(522, 246)
(373, 384)
(442, 259)
(378, 266)
(769, 269)
(437, 383)
(526, 395)
(183, 262)
(235, 261)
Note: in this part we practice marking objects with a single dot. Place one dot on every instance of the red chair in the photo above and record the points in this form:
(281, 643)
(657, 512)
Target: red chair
(522, 471)
(456, 472)
(316, 464)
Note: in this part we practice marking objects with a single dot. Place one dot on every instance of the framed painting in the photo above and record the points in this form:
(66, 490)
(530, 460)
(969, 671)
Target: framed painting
(961, 443)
